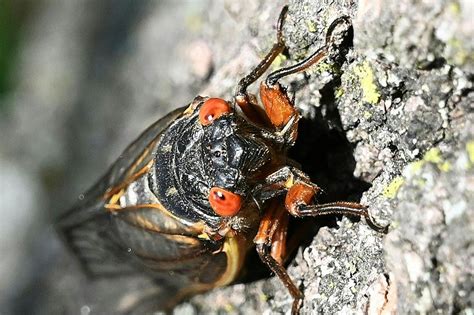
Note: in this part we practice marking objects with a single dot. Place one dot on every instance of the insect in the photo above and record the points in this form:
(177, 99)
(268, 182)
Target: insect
(202, 186)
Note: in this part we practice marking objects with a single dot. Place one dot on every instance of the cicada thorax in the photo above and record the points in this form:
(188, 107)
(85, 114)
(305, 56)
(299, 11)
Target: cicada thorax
(193, 160)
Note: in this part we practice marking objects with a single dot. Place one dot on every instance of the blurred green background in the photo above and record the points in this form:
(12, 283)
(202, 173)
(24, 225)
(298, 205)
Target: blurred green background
(12, 17)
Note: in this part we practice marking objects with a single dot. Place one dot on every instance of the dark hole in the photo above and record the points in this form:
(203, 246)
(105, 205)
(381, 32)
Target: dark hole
(429, 65)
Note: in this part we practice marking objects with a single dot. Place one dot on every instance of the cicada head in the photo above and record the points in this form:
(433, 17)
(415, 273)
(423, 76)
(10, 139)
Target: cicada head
(218, 156)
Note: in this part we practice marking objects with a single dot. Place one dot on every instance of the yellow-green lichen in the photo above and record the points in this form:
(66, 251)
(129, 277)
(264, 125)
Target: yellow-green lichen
(458, 53)
(325, 67)
(367, 115)
(311, 26)
(420, 182)
(352, 268)
(392, 189)
(444, 166)
(229, 308)
(367, 82)
(431, 156)
(454, 8)
(395, 224)
(279, 60)
(416, 166)
(434, 156)
(470, 151)
(339, 92)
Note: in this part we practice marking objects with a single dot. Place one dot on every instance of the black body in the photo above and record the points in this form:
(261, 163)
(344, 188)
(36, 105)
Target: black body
(152, 221)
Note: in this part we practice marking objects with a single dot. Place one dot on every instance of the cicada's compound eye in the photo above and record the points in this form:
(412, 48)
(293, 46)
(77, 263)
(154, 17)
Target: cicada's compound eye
(212, 109)
(224, 202)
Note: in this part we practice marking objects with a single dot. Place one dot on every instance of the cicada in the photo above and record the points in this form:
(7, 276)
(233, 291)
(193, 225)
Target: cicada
(204, 185)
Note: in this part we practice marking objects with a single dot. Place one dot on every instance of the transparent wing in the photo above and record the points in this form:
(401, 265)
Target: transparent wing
(87, 227)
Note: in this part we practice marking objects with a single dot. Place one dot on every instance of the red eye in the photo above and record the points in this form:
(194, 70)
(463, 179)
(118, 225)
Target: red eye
(223, 202)
(212, 109)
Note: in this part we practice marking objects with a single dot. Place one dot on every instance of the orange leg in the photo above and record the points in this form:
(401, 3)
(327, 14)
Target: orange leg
(277, 105)
(272, 220)
(253, 112)
(279, 243)
(271, 247)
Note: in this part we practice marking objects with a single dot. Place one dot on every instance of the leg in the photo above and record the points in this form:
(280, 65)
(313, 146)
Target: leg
(345, 208)
(278, 106)
(248, 103)
(314, 58)
(298, 203)
(279, 243)
(271, 245)
(241, 96)
(299, 196)
(280, 271)
(280, 181)
(270, 223)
